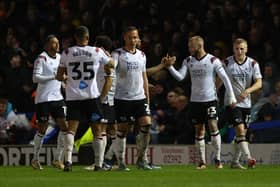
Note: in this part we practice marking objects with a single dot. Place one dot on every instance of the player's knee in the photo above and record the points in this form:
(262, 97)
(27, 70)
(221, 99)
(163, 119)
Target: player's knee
(145, 128)
(101, 135)
(240, 138)
(121, 134)
(112, 132)
(199, 138)
(200, 132)
(62, 124)
(215, 133)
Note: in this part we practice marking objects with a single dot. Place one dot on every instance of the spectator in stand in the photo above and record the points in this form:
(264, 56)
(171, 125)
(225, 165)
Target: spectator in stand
(166, 118)
(184, 129)
(19, 85)
(12, 125)
(269, 79)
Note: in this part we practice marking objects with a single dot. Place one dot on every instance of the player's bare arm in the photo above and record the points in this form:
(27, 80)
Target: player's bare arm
(166, 61)
(106, 87)
(108, 68)
(154, 69)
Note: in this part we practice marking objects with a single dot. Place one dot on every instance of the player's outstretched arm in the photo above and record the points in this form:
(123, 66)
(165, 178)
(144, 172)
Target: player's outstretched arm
(152, 70)
(166, 61)
(181, 73)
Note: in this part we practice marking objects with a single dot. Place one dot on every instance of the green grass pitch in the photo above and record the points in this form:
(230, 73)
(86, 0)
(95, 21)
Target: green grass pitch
(173, 176)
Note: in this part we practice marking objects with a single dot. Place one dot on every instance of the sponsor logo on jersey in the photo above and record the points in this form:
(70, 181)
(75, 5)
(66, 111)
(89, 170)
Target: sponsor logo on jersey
(83, 85)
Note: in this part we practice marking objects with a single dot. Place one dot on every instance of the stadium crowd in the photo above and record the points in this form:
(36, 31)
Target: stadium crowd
(164, 27)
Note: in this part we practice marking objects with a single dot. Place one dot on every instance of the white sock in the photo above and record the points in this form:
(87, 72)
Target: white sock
(37, 145)
(60, 146)
(200, 144)
(138, 144)
(143, 139)
(69, 142)
(236, 153)
(112, 149)
(244, 147)
(104, 145)
(121, 145)
(145, 156)
(97, 147)
(142, 150)
(217, 143)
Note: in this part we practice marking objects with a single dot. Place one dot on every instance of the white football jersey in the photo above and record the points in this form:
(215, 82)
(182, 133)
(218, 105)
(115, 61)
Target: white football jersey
(203, 74)
(82, 64)
(129, 73)
(49, 90)
(241, 77)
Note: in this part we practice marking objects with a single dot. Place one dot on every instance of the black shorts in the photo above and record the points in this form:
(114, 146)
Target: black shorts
(128, 111)
(54, 108)
(238, 115)
(109, 114)
(201, 112)
(89, 109)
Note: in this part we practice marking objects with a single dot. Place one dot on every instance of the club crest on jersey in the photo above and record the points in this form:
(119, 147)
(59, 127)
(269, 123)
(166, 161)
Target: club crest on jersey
(83, 85)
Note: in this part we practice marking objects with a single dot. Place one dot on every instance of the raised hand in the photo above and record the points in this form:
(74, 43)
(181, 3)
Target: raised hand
(168, 60)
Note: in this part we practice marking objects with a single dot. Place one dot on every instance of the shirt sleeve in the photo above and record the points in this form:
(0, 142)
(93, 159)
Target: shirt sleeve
(115, 56)
(38, 76)
(223, 76)
(181, 74)
(256, 71)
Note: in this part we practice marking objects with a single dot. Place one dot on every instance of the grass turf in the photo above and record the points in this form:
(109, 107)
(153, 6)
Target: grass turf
(173, 176)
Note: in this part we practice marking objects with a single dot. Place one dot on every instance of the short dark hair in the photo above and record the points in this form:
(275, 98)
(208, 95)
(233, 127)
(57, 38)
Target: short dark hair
(129, 28)
(104, 41)
(178, 90)
(48, 38)
(81, 32)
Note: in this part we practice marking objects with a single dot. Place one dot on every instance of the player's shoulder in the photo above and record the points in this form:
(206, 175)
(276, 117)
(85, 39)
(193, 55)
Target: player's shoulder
(188, 59)
(228, 60)
(42, 56)
(101, 50)
(118, 51)
(67, 50)
(58, 55)
(95, 49)
(252, 61)
(212, 58)
(140, 52)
